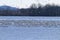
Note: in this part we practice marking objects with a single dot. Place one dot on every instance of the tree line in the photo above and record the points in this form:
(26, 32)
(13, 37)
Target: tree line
(33, 10)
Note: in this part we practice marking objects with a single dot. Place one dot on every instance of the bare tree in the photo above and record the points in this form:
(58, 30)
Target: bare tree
(33, 6)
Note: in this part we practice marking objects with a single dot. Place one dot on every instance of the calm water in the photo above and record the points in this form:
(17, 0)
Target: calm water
(28, 18)
(29, 33)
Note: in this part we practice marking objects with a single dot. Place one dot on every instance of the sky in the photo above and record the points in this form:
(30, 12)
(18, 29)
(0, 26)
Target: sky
(27, 3)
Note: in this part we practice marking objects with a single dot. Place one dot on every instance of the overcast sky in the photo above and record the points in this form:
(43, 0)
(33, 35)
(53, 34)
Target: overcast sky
(26, 3)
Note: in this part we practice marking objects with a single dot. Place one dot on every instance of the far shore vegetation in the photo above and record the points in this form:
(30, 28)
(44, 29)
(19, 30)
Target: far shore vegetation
(33, 10)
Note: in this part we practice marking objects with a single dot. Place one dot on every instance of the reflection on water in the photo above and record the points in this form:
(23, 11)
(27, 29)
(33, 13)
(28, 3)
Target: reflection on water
(30, 33)
(29, 29)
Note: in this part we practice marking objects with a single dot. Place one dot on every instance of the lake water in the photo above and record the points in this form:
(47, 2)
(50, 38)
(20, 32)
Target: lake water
(29, 33)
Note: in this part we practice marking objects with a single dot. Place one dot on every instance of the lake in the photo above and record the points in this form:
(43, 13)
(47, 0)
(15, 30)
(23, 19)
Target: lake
(29, 28)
